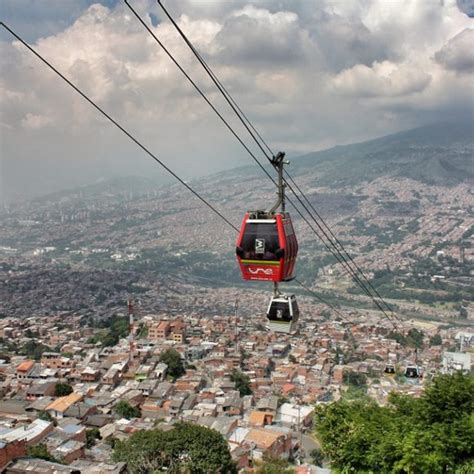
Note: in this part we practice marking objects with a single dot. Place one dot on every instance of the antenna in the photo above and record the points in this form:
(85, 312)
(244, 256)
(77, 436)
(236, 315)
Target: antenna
(131, 328)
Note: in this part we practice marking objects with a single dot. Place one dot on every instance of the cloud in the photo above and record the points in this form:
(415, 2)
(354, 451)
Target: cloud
(381, 79)
(308, 74)
(35, 121)
(458, 53)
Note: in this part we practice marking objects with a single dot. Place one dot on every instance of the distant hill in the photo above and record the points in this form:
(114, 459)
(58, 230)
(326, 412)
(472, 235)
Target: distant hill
(440, 154)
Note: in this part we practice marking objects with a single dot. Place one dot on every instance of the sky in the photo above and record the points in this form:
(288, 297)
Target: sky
(310, 74)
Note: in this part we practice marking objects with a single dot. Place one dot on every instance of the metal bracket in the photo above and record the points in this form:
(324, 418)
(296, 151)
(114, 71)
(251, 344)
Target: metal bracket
(278, 162)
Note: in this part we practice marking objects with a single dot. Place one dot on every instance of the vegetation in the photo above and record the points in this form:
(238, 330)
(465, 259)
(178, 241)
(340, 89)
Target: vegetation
(41, 451)
(274, 466)
(317, 457)
(172, 358)
(125, 410)
(62, 389)
(431, 434)
(186, 448)
(34, 349)
(112, 329)
(414, 338)
(355, 378)
(242, 382)
(91, 436)
(436, 340)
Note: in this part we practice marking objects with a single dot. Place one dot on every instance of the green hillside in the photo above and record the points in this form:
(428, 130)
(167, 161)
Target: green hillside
(440, 154)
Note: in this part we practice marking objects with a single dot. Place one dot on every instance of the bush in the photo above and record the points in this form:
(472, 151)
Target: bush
(186, 448)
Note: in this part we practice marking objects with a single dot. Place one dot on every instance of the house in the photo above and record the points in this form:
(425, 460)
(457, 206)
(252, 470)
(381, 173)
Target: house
(25, 369)
(159, 331)
(40, 389)
(295, 415)
(69, 451)
(11, 451)
(90, 375)
(62, 404)
(54, 360)
(31, 434)
(268, 443)
(112, 376)
(260, 419)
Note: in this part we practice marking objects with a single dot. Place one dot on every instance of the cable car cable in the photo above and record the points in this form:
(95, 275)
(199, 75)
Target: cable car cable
(213, 77)
(320, 298)
(226, 123)
(341, 246)
(138, 142)
(243, 118)
(114, 122)
(122, 129)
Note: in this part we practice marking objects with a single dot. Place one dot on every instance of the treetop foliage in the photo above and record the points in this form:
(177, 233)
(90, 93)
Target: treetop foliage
(186, 448)
(242, 382)
(172, 358)
(432, 434)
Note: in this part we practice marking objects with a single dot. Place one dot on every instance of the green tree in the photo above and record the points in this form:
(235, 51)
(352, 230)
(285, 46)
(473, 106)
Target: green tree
(431, 434)
(41, 451)
(125, 410)
(271, 465)
(185, 448)
(415, 338)
(62, 389)
(355, 378)
(317, 457)
(436, 340)
(45, 416)
(242, 382)
(172, 358)
(92, 435)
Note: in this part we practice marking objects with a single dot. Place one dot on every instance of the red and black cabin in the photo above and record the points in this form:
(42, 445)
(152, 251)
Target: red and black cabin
(266, 247)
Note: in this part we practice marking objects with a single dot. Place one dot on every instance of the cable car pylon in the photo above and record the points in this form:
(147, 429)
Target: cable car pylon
(266, 250)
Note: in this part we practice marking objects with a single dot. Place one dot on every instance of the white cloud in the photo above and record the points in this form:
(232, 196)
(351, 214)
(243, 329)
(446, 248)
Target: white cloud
(35, 121)
(381, 79)
(458, 53)
(309, 74)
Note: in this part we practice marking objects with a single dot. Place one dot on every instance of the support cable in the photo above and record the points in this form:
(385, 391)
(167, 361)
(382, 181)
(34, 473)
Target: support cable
(246, 122)
(122, 129)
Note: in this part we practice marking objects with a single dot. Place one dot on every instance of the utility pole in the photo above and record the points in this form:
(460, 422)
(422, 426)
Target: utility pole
(131, 328)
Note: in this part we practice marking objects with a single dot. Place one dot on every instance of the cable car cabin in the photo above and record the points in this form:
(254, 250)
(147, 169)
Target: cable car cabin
(283, 313)
(413, 372)
(389, 369)
(266, 247)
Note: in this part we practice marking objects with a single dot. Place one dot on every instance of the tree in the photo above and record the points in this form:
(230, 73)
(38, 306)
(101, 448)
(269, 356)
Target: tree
(431, 434)
(41, 451)
(415, 338)
(125, 410)
(317, 457)
(271, 465)
(242, 382)
(91, 436)
(355, 378)
(436, 340)
(185, 448)
(62, 389)
(45, 416)
(172, 358)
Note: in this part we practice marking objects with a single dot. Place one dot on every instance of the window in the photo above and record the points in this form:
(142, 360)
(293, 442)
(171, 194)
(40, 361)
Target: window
(260, 241)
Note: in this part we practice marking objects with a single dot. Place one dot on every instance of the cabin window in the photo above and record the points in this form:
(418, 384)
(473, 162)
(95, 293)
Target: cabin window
(260, 241)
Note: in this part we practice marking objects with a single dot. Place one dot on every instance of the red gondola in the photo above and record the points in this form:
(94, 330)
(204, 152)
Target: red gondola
(266, 247)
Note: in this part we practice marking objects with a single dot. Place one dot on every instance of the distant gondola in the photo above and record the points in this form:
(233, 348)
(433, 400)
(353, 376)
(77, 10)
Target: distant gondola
(389, 369)
(283, 313)
(413, 372)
